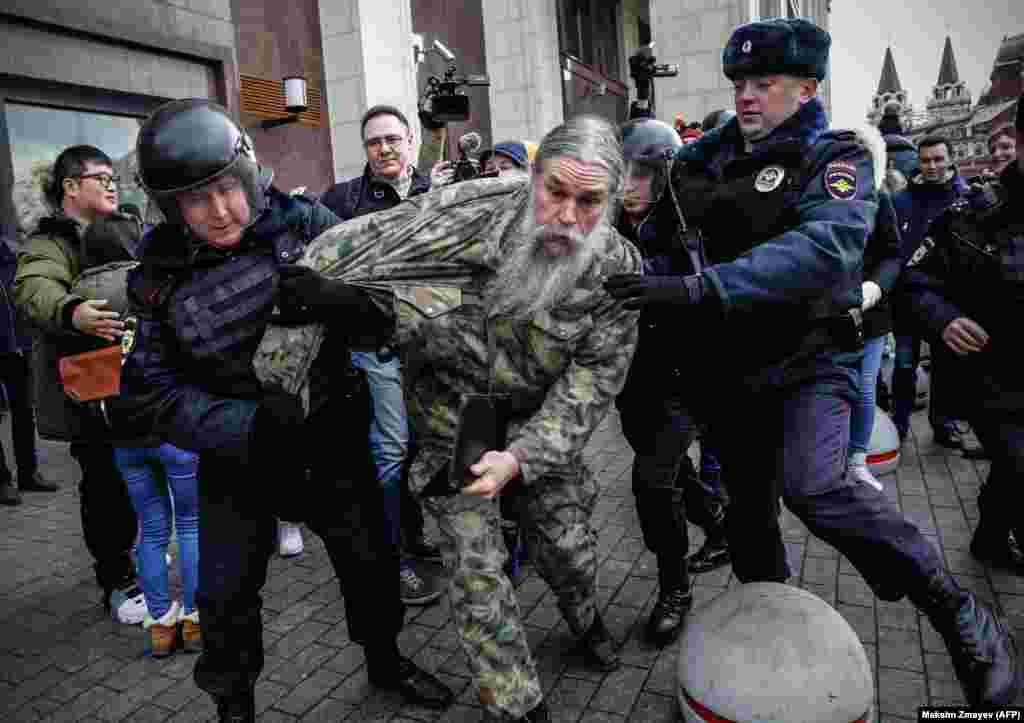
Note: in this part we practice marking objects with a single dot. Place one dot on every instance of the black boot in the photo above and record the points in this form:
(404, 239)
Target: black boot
(241, 709)
(415, 685)
(599, 648)
(998, 548)
(713, 554)
(983, 651)
(675, 598)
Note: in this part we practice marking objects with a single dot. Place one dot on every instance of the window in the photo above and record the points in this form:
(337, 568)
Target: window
(589, 32)
(38, 134)
(592, 79)
(39, 119)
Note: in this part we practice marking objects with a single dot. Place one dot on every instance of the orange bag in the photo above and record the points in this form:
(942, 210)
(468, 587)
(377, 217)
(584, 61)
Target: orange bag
(92, 374)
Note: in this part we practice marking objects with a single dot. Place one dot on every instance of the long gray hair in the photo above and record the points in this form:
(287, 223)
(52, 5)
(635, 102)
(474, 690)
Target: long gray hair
(589, 139)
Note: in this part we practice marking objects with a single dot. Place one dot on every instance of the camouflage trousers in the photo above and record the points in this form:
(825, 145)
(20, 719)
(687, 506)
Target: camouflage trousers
(556, 518)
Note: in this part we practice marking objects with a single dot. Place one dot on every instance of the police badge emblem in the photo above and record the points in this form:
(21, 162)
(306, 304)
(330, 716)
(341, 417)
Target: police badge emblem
(747, 46)
(769, 178)
(128, 337)
(841, 180)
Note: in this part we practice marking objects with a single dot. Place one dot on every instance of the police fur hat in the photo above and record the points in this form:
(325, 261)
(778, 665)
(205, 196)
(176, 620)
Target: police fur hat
(780, 46)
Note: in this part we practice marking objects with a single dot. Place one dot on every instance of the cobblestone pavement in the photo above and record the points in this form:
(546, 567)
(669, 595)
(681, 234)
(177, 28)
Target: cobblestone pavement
(62, 658)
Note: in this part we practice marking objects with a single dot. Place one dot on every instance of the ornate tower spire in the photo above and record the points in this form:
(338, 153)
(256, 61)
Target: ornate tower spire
(950, 96)
(890, 94)
(947, 70)
(890, 81)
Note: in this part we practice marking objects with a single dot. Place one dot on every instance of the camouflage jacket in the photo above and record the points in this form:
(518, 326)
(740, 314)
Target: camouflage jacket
(426, 262)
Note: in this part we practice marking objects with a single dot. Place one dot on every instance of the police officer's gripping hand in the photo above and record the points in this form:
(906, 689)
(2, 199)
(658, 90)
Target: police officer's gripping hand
(638, 291)
(964, 336)
(306, 296)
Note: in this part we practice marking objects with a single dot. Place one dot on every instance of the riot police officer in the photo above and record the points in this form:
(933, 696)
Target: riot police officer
(966, 287)
(652, 405)
(785, 208)
(203, 296)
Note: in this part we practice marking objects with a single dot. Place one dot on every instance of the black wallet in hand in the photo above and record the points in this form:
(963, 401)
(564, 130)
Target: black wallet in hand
(481, 428)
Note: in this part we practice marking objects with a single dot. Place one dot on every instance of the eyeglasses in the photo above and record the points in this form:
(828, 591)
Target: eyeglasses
(374, 144)
(105, 179)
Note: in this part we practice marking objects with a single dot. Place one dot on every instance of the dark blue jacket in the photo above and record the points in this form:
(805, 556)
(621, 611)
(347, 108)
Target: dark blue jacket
(805, 262)
(361, 195)
(201, 314)
(921, 203)
(13, 338)
(974, 268)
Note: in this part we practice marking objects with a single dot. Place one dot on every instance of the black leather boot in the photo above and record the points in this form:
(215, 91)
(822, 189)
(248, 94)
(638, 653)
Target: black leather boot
(997, 547)
(675, 598)
(239, 709)
(599, 648)
(414, 684)
(983, 650)
(713, 554)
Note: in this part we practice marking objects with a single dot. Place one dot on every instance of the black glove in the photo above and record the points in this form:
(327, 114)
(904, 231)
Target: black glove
(305, 295)
(638, 291)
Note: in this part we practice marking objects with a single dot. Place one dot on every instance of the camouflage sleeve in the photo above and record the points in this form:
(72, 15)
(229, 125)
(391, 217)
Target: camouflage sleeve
(42, 283)
(553, 439)
(434, 239)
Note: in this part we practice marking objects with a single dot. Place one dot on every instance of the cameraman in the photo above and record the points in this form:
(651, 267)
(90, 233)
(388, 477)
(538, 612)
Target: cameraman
(389, 178)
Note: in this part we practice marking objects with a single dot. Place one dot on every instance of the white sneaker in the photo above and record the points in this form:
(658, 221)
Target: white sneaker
(289, 540)
(862, 474)
(128, 606)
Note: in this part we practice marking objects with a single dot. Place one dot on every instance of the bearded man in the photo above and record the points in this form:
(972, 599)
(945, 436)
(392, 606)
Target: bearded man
(493, 289)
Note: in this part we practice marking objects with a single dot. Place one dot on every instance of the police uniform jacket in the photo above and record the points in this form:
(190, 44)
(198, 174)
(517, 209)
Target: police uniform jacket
(201, 313)
(784, 224)
(972, 265)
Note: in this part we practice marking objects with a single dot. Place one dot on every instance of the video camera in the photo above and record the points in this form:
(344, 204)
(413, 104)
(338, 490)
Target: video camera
(442, 102)
(643, 69)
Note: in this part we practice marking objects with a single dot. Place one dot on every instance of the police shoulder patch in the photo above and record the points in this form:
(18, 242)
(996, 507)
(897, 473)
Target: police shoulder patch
(841, 180)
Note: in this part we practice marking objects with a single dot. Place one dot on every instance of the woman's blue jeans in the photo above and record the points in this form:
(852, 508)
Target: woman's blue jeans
(862, 418)
(154, 476)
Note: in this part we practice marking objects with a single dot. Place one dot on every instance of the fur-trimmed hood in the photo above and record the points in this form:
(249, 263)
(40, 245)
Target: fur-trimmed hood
(872, 139)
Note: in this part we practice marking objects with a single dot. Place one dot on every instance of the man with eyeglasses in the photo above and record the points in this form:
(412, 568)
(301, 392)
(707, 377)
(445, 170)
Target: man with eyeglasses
(82, 194)
(389, 178)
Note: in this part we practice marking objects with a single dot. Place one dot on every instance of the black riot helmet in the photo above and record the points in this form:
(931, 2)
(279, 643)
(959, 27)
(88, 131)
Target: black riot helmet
(648, 147)
(186, 144)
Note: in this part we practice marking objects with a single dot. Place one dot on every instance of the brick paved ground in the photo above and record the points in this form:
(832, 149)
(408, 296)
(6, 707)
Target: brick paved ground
(62, 659)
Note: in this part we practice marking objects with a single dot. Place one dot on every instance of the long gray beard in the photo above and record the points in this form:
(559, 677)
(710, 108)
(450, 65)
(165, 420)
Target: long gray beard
(530, 281)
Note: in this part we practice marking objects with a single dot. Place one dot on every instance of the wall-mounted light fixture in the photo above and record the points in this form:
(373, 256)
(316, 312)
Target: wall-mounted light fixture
(295, 102)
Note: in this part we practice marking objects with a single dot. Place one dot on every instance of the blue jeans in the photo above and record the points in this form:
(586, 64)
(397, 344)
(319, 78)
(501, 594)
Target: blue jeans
(389, 433)
(154, 475)
(862, 419)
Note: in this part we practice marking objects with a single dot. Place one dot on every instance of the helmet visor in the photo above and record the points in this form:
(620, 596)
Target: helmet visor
(645, 183)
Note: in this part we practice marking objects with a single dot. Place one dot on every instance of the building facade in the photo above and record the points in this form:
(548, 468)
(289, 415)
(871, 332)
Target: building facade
(89, 71)
(949, 111)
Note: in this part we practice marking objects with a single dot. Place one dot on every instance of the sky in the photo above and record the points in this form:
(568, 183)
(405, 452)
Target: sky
(916, 30)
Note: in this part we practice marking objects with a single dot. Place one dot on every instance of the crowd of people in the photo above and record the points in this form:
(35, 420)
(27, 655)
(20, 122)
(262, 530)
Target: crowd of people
(389, 348)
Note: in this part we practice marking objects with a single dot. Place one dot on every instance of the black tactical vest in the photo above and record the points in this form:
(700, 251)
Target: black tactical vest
(220, 311)
(751, 202)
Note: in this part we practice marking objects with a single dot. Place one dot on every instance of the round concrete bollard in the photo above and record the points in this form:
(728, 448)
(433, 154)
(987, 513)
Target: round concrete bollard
(772, 653)
(884, 447)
